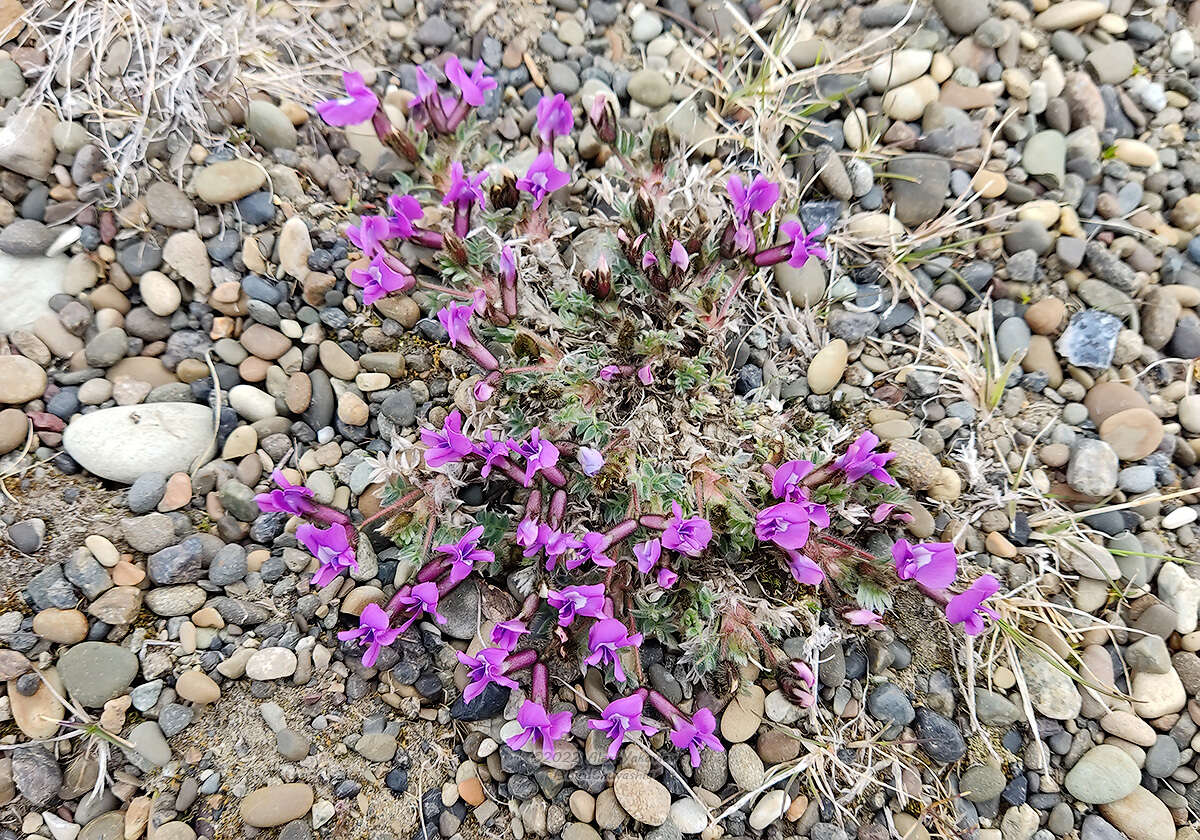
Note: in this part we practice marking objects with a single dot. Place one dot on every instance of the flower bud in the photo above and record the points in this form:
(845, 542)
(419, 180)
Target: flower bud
(403, 145)
(643, 211)
(504, 194)
(660, 145)
(728, 247)
(603, 117)
(455, 248)
(598, 282)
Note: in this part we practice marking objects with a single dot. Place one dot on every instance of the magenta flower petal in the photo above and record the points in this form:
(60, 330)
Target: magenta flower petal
(554, 118)
(786, 483)
(540, 726)
(696, 734)
(969, 609)
(620, 718)
(605, 639)
(358, 105)
(574, 601)
(679, 256)
(464, 189)
(542, 178)
(471, 87)
(384, 275)
(288, 498)
(804, 569)
(450, 444)
(687, 536)
(787, 524)
(332, 549)
(405, 211)
(465, 553)
(456, 318)
(647, 554)
(864, 618)
(932, 564)
(483, 669)
(861, 459)
(538, 454)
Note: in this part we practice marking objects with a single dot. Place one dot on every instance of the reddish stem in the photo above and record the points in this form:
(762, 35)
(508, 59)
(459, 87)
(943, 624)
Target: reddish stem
(653, 520)
(666, 708)
(403, 501)
(520, 660)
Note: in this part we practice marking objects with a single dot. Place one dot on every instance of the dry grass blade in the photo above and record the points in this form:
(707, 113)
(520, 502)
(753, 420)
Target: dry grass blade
(147, 71)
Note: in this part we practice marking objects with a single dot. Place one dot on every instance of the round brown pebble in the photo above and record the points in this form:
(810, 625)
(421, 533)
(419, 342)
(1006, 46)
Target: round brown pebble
(1046, 316)
(197, 687)
(1055, 454)
(1108, 398)
(14, 428)
(66, 627)
(1133, 433)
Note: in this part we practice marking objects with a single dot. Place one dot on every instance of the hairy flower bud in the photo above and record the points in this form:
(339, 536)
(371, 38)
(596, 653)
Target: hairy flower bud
(504, 194)
(643, 211)
(402, 144)
(660, 145)
(598, 282)
(603, 117)
(456, 249)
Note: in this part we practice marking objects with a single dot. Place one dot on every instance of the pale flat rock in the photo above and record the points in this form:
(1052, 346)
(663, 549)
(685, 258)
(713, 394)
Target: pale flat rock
(1182, 593)
(122, 443)
(26, 286)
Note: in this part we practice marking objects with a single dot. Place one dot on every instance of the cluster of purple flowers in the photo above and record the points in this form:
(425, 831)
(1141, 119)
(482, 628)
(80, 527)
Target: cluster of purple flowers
(792, 522)
(450, 445)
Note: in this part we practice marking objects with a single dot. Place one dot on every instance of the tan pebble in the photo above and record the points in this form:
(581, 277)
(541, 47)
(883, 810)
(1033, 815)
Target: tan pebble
(127, 574)
(102, 549)
(1104, 399)
(1046, 316)
(197, 687)
(471, 791)
(208, 617)
(997, 544)
(947, 487)
(1055, 454)
(1133, 434)
(989, 184)
(178, 493)
(1135, 152)
(66, 627)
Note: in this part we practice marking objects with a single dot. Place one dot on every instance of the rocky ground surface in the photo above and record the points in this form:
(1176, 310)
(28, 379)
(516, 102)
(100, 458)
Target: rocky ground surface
(1013, 191)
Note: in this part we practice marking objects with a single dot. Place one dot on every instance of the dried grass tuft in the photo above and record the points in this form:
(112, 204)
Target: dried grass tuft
(149, 71)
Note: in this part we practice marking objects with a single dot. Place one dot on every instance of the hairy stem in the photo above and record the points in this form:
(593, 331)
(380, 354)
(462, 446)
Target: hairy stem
(539, 687)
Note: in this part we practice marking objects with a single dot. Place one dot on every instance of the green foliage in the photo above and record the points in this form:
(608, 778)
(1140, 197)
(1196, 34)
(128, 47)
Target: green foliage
(658, 485)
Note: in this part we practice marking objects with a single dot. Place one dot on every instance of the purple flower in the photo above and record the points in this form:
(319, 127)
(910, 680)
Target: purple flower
(507, 634)
(370, 231)
(968, 608)
(590, 460)
(484, 669)
(574, 601)
(472, 87)
(332, 549)
(450, 444)
(556, 544)
(864, 618)
(605, 638)
(538, 454)
(647, 554)
(426, 91)
(373, 631)
(648, 259)
(679, 256)
(666, 578)
(405, 211)
(540, 726)
(542, 178)
(787, 524)
(384, 275)
(464, 189)
(931, 564)
(759, 197)
(804, 569)
(422, 598)
(619, 718)
(456, 318)
(482, 392)
(609, 371)
(554, 118)
(786, 483)
(687, 536)
(508, 264)
(357, 106)
(529, 537)
(490, 450)
(591, 550)
(862, 459)
(289, 498)
(645, 375)
(465, 553)
(804, 245)
(696, 734)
